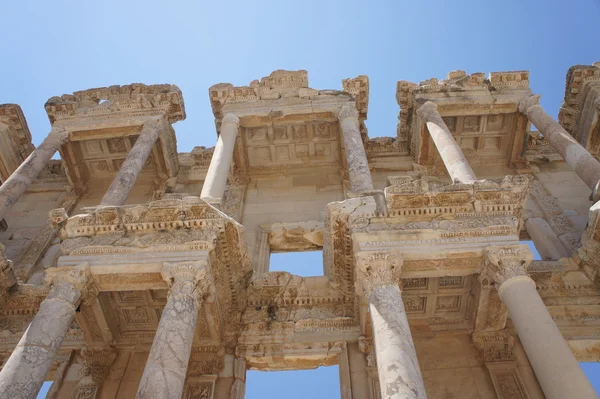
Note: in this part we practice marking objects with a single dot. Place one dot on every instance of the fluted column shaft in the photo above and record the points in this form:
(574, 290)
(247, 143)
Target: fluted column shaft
(165, 371)
(356, 156)
(26, 369)
(553, 362)
(377, 275)
(125, 179)
(220, 163)
(28, 171)
(574, 154)
(457, 165)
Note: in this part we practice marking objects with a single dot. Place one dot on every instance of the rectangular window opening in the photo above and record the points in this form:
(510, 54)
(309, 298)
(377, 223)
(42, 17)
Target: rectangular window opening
(303, 264)
(322, 382)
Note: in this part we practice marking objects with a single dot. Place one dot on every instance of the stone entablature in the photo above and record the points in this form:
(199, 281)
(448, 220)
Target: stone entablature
(15, 139)
(285, 92)
(134, 100)
(137, 240)
(104, 124)
(579, 111)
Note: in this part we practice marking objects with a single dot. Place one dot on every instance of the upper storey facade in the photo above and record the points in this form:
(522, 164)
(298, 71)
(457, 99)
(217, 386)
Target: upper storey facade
(429, 221)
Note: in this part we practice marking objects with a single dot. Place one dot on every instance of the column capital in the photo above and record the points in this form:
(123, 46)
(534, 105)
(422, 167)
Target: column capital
(188, 278)
(230, 118)
(70, 284)
(428, 111)
(96, 365)
(97, 361)
(59, 134)
(506, 263)
(527, 102)
(376, 268)
(348, 111)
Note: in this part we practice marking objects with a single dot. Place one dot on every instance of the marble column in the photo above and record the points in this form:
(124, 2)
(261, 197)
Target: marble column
(165, 371)
(95, 368)
(574, 154)
(125, 179)
(377, 278)
(457, 165)
(554, 364)
(356, 156)
(28, 171)
(220, 163)
(26, 369)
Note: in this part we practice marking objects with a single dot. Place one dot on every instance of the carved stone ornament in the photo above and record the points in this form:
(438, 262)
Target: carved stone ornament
(70, 283)
(527, 102)
(508, 262)
(188, 278)
(96, 365)
(376, 268)
(495, 346)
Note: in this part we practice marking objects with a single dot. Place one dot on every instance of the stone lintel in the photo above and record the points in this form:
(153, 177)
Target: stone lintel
(136, 271)
(118, 101)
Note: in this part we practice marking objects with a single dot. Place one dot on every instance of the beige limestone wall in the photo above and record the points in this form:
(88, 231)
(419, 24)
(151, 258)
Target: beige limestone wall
(140, 193)
(453, 368)
(132, 376)
(289, 198)
(26, 218)
(571, 192)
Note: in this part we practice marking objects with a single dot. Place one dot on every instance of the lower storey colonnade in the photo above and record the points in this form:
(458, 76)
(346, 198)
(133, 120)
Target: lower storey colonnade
(377, 276)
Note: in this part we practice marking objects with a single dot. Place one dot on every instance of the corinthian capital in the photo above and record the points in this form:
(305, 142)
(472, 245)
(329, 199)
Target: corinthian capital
(376, 268)
(188, 278)
(508, 262)
(348, 111)
(528, 102)
(428, 111)
(70, 283)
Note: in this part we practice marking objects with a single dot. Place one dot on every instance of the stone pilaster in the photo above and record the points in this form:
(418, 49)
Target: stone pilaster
(95, 368)
(26, 369)
(574, 154)
(166, 368)
(554, 364)
(12, 189)
(238, 389)
(125, 179)
(220, 163)
(457, 165)
(496, 348)
(377, 277)
(356, 156)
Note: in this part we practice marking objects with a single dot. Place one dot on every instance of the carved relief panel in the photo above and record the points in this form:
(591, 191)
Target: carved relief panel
(292, 144)
(200, 387)
(443, 301)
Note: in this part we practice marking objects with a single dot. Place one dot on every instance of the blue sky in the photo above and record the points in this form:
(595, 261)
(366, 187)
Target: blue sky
(52, 48)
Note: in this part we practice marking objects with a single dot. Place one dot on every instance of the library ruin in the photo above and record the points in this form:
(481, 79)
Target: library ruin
(128, 269)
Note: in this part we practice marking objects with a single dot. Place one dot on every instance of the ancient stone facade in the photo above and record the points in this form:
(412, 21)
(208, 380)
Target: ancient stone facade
(129, 270)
